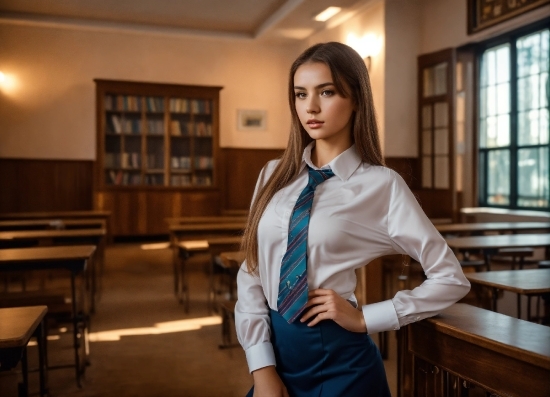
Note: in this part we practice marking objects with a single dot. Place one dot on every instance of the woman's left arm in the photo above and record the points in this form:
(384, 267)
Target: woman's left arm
(413, 234)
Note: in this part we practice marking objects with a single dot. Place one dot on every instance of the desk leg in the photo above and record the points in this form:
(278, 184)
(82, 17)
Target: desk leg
(518, 298)
(24, 388)
(494, 298)
(488, 261)
(75, 330)
(42, 365)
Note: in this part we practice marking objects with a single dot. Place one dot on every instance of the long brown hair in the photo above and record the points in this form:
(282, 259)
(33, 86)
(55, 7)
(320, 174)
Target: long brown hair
(351, 79)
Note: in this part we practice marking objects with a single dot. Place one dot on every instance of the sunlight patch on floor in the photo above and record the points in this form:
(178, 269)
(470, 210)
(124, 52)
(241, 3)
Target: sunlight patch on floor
(192, 324)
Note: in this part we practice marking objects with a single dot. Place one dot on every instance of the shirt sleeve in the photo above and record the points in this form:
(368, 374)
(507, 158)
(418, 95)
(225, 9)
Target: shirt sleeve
(252, 320)
(413, 234)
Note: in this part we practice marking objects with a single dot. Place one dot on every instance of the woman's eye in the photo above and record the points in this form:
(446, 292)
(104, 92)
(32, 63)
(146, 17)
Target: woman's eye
(300, 95)
(327, 93)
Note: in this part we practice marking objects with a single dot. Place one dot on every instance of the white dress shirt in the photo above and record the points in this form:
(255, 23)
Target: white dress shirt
(362, 213)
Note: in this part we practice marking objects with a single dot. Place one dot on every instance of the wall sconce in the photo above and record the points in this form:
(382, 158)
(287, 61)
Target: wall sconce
(367, 46)
(7, 83)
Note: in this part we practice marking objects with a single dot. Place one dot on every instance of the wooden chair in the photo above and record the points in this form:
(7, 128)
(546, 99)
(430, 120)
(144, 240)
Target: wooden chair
(227, 309)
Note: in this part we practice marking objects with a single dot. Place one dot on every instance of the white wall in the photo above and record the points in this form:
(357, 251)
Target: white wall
(402, 31)
(50, 112)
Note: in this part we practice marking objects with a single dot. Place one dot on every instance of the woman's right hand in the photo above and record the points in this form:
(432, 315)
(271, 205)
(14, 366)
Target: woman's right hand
(268, 383)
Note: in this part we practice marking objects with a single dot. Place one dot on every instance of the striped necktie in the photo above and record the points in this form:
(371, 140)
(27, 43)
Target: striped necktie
(293, 280)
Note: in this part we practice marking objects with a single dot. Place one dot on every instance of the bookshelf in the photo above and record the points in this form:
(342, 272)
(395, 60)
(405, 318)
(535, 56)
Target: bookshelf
(156, 135)
(157, 144)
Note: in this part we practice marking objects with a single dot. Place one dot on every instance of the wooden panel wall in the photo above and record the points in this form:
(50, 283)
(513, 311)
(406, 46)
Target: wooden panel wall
(64, 185)
(45, 185)
(239, 174)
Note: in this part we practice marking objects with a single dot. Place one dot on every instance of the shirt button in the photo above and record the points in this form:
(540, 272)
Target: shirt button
(417, 318)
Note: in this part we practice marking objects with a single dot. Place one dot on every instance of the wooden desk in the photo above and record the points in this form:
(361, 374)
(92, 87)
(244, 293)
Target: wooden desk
(204, 219)
(65, 215)
(199, 231)
(71, 258)
(522, 282)
(501, 354)
(36, 224)
(214, 246)
(17, 326)
(491, 244)
(56, 215)
(500, 227)
(63, 237)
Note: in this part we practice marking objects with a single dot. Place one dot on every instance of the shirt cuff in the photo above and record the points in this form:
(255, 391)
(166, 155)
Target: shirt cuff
(259, 356)
(380, 317)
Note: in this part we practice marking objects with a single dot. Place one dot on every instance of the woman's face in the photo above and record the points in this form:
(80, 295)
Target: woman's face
(324, 113)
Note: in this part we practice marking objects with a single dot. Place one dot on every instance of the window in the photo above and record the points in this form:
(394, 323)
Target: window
(514, 132)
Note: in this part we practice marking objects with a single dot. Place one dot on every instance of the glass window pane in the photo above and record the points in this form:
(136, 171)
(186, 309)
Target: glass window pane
(491, 100)
(523, 94)
(503, 98)
(483, 133)
(440, 74)
(544, 137)
(533, 177)
(544, 50)
(544, 90)
(491, 139)
(427, 142)
(428, 82)
(426, 172)
(503, 64)
(441, 114)
(483, 102)
(491, 66)
(498, 177)
(427, 116)
(441, 145)
(503, 130)
(441, 172)
(528, 53)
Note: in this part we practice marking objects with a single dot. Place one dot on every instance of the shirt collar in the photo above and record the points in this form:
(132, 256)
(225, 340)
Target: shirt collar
(343, 165)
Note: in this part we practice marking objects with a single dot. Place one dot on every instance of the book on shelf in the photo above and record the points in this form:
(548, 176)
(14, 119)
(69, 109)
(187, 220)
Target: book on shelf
(200, 106)
(155, 161)
(112, 160)
(121, 125)
(205, 180)
(180, 128)
(122, 103)
(179, 105)
(181, 162)
(131, 160)
(155, 127)
(154, 104)
(203, 129)
(204, 162)
(180, 180)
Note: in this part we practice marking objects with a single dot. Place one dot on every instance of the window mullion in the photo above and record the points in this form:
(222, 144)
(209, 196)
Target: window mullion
(513, 125)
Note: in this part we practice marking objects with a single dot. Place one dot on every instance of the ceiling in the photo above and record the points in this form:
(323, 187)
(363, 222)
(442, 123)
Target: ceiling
(252, 19)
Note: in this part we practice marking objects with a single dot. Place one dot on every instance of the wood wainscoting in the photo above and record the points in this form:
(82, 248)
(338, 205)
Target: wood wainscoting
(239, 173)
(63, 185)
(28, 185)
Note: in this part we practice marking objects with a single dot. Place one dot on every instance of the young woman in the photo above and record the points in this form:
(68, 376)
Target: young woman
(327, 207)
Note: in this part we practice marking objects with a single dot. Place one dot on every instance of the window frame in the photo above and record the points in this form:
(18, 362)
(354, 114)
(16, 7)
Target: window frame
(482, 169)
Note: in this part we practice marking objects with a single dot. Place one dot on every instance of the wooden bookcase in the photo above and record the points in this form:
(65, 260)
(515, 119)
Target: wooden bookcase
(159, 145)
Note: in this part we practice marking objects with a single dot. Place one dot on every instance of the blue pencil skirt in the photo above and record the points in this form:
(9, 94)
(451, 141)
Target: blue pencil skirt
(326, 360)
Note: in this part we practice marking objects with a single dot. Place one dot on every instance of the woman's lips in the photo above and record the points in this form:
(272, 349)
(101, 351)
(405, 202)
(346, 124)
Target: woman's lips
(315, 124)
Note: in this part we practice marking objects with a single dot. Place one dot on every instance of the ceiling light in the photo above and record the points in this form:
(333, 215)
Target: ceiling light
(327, 14)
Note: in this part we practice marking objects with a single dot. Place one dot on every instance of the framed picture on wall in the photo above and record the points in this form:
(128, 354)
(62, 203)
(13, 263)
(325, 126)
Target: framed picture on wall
(485, 13)
(251, 120)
